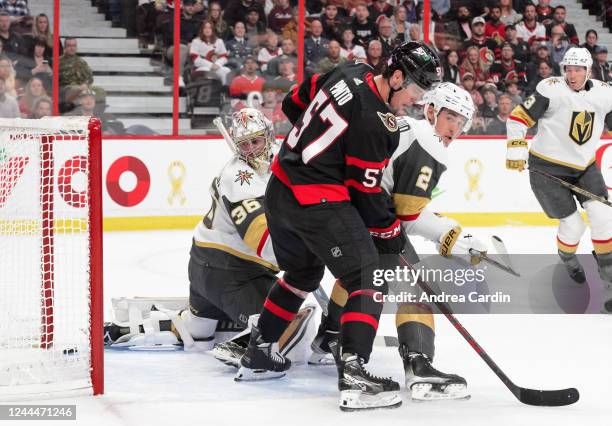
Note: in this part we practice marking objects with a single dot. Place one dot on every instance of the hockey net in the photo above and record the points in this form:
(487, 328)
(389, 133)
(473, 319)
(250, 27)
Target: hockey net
(50, 257)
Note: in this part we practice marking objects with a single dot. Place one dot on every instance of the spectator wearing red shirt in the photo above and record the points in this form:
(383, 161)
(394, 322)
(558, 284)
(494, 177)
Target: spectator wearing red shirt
(248, 81)
(507, 69)
(487, 48)
(494, 28)
(280, 15)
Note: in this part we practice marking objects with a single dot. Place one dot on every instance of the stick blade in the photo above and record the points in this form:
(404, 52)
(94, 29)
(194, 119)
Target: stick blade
(544, 398)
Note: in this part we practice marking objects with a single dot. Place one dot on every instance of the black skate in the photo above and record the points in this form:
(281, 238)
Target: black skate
(359, 390)
(231, 351)
(261, 360)
(321, 351)
(425, 383)
(574, 268)
(604, 267)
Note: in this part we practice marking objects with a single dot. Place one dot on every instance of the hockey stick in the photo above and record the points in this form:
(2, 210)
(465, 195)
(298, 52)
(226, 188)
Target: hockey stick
(486, 258)
(323, 300)
(549, 398)
(502, 251)
(226, 137)
(574, 188)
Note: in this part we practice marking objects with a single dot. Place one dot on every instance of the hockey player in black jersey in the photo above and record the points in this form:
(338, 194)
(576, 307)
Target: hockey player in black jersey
(413, 172)
(325, 207)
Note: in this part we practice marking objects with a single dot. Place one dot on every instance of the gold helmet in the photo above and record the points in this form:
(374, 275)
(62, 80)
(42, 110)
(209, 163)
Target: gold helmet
(253, 135)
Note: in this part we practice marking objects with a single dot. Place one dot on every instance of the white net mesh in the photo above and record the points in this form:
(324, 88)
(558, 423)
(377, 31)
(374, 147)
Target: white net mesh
(44, 256)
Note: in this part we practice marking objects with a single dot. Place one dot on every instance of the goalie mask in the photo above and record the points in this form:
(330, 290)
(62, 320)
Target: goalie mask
(451, 97)
(253, 135)
(579, 57)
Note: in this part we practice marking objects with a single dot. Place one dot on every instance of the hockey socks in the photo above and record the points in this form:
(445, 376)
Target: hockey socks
(280, 308)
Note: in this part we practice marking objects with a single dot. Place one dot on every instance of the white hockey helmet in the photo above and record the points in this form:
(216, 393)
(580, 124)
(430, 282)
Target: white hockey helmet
(580, 57)
(452, 97)
(247, 126)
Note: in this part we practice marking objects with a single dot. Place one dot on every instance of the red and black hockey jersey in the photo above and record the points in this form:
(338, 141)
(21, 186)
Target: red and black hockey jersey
(342, 138)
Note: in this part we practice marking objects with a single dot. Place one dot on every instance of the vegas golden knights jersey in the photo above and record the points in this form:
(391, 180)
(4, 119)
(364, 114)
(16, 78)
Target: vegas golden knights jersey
(236, 224)
(414, 169)
(569, 123)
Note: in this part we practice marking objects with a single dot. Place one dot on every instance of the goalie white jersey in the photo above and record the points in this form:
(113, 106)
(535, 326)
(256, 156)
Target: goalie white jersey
(569, 123)
(236, 223)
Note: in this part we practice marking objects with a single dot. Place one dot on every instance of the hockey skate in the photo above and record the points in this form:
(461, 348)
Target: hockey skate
(574, 268)
(321, 351)
(261, 360)
(231, 351)
(359, 390)
(425, 383)
(604, 266)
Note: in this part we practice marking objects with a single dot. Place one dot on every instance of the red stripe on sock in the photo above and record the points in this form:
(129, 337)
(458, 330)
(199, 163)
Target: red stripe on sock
(278, 311)
(359, 317)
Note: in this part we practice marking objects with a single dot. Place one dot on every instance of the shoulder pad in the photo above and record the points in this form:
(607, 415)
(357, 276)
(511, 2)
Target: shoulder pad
(550, 86)
(238, 181)
(425, 137)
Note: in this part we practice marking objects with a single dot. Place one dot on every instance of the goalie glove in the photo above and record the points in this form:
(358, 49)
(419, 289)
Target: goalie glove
(517, 154)
(453, 243)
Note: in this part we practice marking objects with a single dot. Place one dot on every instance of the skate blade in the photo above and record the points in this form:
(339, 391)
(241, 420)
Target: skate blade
(354, 400)
(251, 375)
(423, 392)
(321, 360)
(226, 358)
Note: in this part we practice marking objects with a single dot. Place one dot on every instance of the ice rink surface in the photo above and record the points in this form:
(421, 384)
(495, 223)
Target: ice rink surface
(536, 351)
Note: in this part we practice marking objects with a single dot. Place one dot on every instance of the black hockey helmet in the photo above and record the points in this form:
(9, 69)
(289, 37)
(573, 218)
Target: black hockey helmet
(418, 62)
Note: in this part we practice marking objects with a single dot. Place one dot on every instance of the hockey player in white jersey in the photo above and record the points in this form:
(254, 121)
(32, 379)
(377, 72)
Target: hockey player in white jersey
(413, 172)
(232, 265)
(231, 268)
(571, 112)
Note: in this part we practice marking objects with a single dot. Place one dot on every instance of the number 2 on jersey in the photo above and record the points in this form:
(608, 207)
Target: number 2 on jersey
(327, 114)
(424, 178)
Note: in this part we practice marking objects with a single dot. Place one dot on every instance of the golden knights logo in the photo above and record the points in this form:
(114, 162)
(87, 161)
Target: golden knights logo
(581, 127)
(244, 176)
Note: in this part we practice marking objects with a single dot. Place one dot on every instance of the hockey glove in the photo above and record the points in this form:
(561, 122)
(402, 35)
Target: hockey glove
(517, 154)
(393, 245)
(453, 243)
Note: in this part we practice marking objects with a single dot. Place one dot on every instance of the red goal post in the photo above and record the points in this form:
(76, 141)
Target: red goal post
(51, 314)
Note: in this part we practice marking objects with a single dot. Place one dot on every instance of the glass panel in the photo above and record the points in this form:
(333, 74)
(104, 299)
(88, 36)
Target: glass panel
(498, 65)
(116, 62)
(238, 60)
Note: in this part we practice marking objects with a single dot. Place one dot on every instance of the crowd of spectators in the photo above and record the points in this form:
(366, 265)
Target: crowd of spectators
(498, 50)
(26, 54)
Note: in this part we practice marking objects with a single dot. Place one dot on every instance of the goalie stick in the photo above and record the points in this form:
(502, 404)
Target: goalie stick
(549, 398)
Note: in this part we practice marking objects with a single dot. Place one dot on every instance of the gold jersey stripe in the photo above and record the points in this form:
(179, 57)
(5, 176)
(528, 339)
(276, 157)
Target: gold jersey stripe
(414, 313)
(561, 163)
(255, 232)
(520, 113)
(237, 253)
(409, 204)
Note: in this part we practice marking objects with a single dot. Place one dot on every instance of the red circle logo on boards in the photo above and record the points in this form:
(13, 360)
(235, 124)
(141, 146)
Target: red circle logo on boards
(143, 179)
